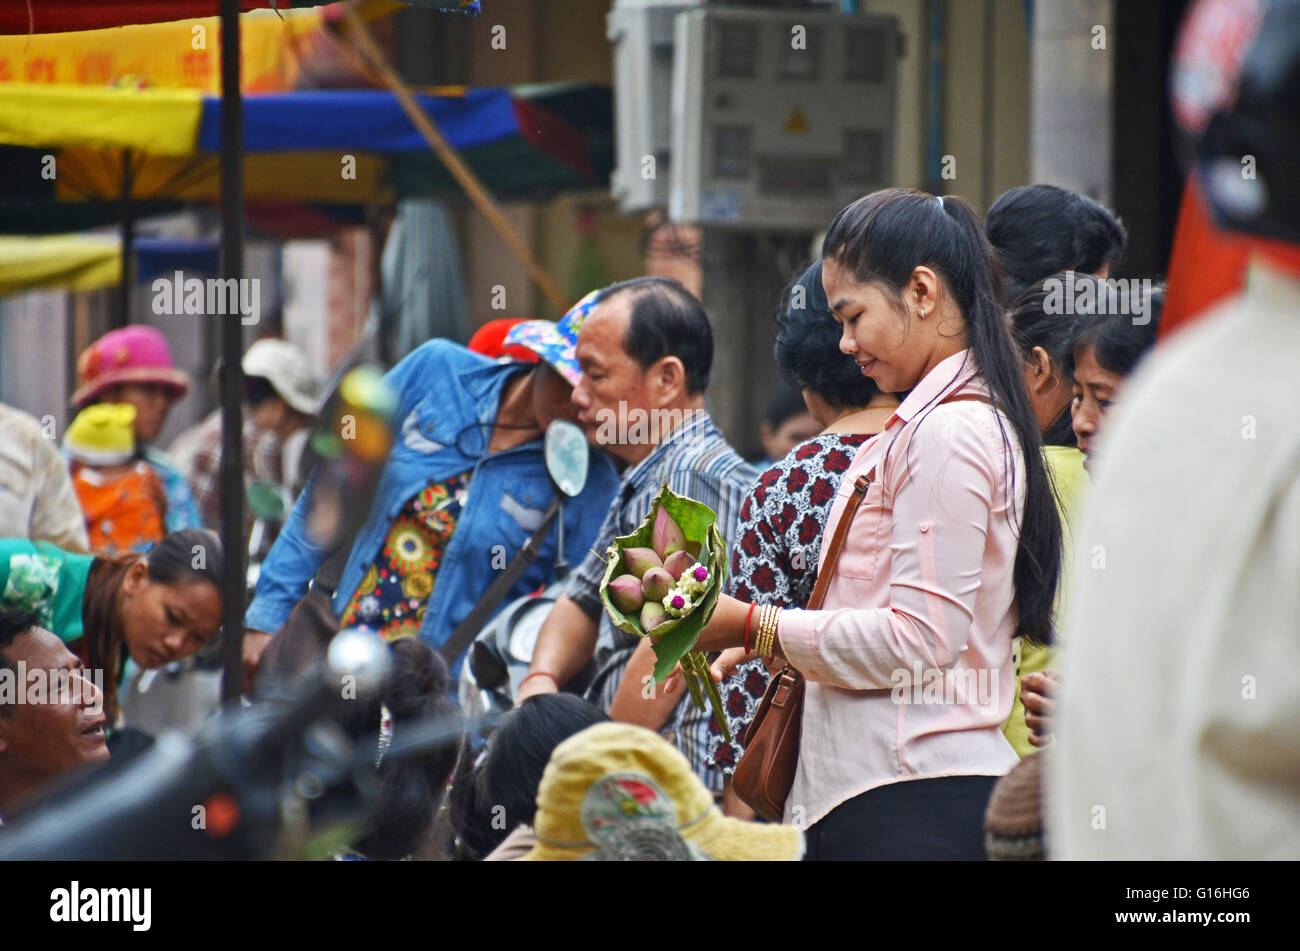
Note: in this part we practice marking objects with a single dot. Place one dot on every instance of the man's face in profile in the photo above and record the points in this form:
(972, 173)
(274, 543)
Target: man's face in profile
(63, 728)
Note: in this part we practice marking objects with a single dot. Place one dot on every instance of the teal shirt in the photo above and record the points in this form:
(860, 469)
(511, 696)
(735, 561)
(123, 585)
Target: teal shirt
(46, 579)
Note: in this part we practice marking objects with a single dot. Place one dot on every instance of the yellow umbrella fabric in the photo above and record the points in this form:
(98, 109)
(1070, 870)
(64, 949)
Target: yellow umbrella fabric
(306, 177)
(75, 262)
(156, 121)
(180, 54)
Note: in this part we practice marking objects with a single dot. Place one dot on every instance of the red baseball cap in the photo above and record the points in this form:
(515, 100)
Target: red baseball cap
(489, 340)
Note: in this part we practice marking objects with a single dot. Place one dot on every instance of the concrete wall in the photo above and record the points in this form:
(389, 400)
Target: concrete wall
(984, 95)
(34, 339)
(542, 43)
(986, 98)
(1072, 93)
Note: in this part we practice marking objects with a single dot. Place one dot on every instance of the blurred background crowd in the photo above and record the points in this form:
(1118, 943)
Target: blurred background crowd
(984, 261)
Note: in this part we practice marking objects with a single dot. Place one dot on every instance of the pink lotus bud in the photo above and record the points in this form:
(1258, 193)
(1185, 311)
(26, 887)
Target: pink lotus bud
(667, 535)
(640, 560)
(625, 592)
(701, 573)
(656, 584)
(678, 562)
(652, 615)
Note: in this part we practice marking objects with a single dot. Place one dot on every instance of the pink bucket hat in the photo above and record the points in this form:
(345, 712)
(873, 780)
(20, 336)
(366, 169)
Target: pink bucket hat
(135, 354)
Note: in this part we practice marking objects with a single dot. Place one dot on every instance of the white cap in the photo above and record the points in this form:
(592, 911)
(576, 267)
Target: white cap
(284, 366)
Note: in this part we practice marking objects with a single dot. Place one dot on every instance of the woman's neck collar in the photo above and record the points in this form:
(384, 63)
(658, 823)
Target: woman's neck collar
(868, 419)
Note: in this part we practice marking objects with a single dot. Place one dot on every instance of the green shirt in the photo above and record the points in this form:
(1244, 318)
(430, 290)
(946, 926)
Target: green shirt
(1069, 481)
(46, 579)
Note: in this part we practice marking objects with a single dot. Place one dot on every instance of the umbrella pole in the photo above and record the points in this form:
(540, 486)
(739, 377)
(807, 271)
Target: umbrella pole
(122, 317)
(232, 380)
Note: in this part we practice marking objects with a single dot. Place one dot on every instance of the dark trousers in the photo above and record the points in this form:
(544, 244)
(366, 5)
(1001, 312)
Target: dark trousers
(922, 819)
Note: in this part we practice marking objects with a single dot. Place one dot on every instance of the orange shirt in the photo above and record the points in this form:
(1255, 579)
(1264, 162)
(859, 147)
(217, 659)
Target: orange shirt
(124, 506)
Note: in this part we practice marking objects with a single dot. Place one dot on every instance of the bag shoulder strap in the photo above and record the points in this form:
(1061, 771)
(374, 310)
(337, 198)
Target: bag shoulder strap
(860, 487)
(975, 397)
(331, 570)
(469, 628)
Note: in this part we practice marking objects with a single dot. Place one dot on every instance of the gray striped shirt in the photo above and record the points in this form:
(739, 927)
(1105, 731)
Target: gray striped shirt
(696, 461)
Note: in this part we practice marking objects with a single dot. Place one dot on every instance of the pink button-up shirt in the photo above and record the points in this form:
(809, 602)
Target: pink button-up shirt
(908, 664)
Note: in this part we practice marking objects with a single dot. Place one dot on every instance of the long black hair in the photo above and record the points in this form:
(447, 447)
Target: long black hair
(1037, 230)
(881, 239)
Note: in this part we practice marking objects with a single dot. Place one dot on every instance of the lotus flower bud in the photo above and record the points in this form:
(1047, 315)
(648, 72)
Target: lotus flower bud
(656, 583)
(625, 592)
(640, 560)
(652, 615)
(677, 563)
(667, 535)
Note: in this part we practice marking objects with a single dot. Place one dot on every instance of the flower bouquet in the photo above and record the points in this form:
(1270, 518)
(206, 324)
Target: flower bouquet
(664, 580)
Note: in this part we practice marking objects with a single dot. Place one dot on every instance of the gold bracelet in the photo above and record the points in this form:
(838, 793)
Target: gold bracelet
(760, 642)
(767, 631)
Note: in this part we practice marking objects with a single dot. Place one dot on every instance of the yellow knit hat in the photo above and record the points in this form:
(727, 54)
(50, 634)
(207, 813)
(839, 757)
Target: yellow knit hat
(102, 435)
(614, 785)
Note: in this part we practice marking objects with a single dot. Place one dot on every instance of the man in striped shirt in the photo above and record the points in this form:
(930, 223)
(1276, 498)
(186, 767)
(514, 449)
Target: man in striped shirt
(645, 353)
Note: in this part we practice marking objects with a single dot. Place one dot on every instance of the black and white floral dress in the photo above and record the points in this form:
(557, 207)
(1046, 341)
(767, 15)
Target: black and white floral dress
(774, 561)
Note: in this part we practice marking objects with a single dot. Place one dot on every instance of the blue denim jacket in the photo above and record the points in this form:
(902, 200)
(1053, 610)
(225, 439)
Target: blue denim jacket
(443, 390)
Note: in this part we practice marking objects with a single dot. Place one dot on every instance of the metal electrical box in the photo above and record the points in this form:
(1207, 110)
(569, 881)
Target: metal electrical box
(641, 32)
(780, 118)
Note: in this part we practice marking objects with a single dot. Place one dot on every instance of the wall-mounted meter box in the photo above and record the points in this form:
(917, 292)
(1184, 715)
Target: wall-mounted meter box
(641, 33)
(780, 118)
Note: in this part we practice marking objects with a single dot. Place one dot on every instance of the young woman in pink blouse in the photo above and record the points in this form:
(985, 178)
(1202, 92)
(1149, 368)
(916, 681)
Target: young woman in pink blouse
(954, 550)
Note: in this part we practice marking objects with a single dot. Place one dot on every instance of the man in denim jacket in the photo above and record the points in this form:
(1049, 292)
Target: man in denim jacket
(464, 487)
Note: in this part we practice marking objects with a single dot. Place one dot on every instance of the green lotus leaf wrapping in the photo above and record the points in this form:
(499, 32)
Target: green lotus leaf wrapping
(676, 637)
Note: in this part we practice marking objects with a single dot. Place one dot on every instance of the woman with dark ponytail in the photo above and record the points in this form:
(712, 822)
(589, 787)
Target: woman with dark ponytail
(953, 551)
(154, 608)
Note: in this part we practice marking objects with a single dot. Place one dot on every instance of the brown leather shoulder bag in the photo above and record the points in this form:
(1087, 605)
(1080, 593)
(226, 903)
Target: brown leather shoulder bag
(765, 772)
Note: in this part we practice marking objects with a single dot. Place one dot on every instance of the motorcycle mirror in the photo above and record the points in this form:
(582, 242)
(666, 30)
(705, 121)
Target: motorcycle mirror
(567, 456)
(362, 655)
(266, 501)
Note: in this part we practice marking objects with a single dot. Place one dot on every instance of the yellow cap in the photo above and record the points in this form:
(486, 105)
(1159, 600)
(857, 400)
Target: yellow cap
(102, 435)
(614, 786)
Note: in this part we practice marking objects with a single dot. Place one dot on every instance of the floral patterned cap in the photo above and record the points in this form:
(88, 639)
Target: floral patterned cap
(554, 342)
